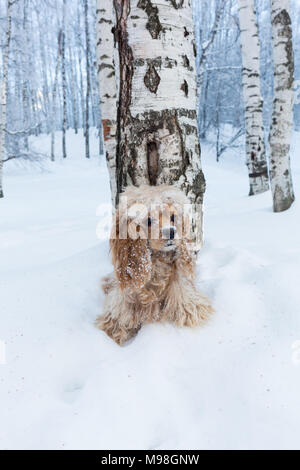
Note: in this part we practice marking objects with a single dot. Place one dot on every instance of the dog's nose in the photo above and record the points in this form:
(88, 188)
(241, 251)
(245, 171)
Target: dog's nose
(169, 233)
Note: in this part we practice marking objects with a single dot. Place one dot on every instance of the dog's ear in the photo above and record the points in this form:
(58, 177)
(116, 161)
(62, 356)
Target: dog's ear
(131, 257)
(186, 261)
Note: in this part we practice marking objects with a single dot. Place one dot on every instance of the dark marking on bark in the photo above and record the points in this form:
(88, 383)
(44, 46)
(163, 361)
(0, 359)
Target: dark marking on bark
(190, 113)
(186, 62)
(259, 174)
(152, 162)
(284, 20)
(176, 3)
(170, 63)
(122, 9)
(106, 125)
(152, 79)
(185, 88)
(105, 66)
(190, 129)
(139, 62)
(194, 49)
(132, 166)
(185, 32)
(103, 20)
(153, 25)
(198, 187)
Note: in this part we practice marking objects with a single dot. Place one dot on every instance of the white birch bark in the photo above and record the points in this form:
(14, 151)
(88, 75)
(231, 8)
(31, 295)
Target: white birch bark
(74, 90)
(107, 61)
(88, 82)
(64, 81)
(282, 117)
(79, 41)
(156, 136)
(4, 93)
(54, 97)
(253, 103)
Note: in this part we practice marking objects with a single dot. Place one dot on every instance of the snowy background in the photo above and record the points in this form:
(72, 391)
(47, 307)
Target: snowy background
(231, 384)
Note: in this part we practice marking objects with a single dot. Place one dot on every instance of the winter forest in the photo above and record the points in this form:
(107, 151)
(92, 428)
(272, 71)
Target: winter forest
(98, 95)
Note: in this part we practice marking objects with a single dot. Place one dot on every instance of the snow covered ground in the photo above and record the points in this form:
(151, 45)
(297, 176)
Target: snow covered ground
(234, 383)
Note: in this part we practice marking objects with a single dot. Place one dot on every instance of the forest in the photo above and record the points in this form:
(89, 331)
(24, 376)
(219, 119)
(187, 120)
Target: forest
(52, 83)
(97, 97)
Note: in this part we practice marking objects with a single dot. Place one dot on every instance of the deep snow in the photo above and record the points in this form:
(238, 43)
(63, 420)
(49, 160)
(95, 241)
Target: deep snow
(234, 383)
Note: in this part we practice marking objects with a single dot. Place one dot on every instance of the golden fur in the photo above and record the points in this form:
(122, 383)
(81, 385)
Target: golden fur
(153, 279)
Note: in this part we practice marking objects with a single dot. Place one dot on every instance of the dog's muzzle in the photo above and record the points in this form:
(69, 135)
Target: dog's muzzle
(169, 233)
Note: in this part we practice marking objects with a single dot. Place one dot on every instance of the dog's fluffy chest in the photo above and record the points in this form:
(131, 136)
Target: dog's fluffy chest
(163, 272)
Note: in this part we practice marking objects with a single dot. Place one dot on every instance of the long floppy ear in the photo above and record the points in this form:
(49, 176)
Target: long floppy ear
(131, 258)
(185, 263)
(187, 259)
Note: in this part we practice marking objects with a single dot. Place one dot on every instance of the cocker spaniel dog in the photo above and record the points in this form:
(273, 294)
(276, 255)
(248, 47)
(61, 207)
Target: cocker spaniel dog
(154, 265)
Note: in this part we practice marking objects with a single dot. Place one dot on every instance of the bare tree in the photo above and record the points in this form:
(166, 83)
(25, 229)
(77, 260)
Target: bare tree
(282, 117)
(64, 81)
(4, 92)
(54, 95)
(88, 82)
(255, 140)
(73, 90)
(107, 67)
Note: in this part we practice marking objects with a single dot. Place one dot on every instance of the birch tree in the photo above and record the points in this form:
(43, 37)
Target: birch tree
(253, 104)
(88, 82)
(4, 92)
(282, 117)
(64, 80)
(108, 73)
(54, 93)
(149, 96)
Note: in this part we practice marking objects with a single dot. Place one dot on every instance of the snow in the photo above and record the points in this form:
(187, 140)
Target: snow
(232, 384)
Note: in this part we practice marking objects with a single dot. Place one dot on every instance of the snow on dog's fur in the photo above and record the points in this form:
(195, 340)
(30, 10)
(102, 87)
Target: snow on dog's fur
(154, 266)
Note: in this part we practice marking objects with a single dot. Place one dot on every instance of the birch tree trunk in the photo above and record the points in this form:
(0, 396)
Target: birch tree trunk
(79, 42)
(4, 93)
(74, 91)
(282, 117)
(88, 82)
(64, 81)
(150, 93)
(108, 73)
(54, 94)
(253, 104)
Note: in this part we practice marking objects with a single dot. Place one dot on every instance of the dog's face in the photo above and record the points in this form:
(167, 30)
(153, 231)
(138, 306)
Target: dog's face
(160, 223)
(149, 219)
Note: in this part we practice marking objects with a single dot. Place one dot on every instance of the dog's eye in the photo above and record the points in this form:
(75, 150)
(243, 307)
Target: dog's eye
(172, 218)
(149, 221)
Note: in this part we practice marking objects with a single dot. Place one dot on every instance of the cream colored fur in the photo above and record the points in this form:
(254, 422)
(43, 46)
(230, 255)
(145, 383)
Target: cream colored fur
(150, 283)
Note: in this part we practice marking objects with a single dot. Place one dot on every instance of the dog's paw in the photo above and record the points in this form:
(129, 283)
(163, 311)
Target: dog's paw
(195, 312)
(114, 330)
(108, 283)
(203, 310)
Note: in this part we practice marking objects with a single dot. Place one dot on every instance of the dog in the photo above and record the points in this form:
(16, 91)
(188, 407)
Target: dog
(154, 265)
